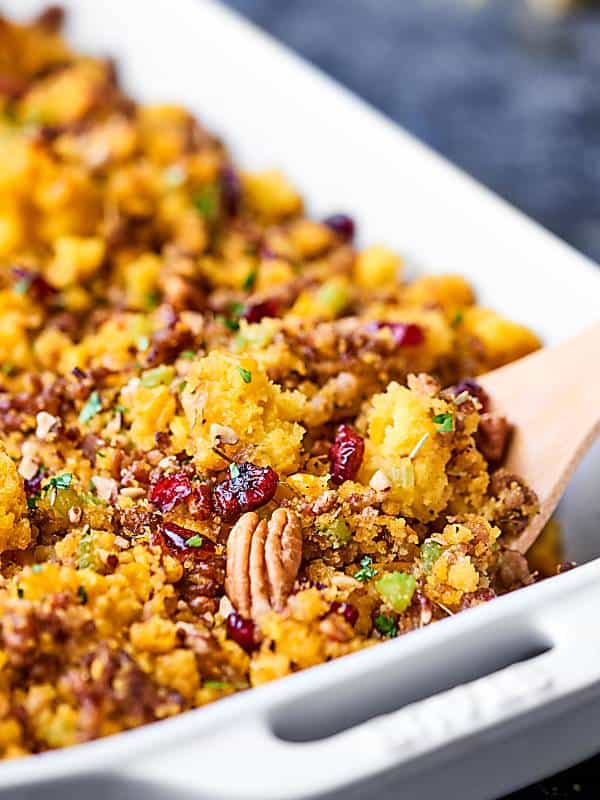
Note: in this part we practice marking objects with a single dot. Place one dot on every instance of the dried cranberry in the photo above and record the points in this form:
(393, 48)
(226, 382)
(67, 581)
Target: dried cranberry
(33, 284)
(34, 485)
(347, 610)
(475, 390)
(247, 488)
(346, 454)
(266, 252)
(241, 630)
(341, 224)
(254, 312)
(200, 505)
(168, 491)
(231, 191)
(405, 334)
(174, 539)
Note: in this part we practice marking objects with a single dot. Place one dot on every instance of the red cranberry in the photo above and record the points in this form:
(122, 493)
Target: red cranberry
(171, 490)
(266, 252)
(241, 631)
(341, 224)
(347, 610)
(231, 191)
(201, 502)
(34, 284)
(405, 334)
(34, 485)
(247, 488)
(174, 540)
(475, 390)
(254, 312)
(346, 454)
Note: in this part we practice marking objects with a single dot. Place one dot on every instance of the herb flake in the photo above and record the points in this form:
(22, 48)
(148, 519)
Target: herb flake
(386, 625)
(245, 374)
(60, 481)
(249, 281)
(92, 406)
(194, 541)
(444, 422)
(366, 572)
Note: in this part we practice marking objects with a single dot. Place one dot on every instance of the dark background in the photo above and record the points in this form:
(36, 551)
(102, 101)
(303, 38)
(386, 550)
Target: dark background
(511, 97)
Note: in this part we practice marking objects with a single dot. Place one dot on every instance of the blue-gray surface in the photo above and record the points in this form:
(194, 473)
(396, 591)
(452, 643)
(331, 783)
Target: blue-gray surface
(513, 99)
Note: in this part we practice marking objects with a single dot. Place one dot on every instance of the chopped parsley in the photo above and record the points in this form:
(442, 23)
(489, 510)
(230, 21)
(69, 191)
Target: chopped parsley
(37, 568)
(245, 374)
(206, 201)
(216, 685)
(118, 409)
(249, 281)
(194, 541)
(444, 422)
(189, 354)
(366, 572)
(458, 318)
(386, 625)
(7, 369)
(234, 470)
(82, 594)
(92, 406)
(237, 309)
(143, 343)
(181, 387)
(232, 324)
(152, 299)
(32, 501)
(60, 481)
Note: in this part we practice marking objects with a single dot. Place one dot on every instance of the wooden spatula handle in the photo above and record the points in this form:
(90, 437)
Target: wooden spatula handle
(553, 399)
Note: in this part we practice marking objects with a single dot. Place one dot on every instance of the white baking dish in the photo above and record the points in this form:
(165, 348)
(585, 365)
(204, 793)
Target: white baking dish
(482, 739)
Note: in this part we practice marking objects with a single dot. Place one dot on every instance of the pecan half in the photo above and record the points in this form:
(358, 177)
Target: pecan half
(263, 560)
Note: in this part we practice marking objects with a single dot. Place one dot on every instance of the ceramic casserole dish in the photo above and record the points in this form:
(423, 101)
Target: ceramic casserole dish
(476, 705)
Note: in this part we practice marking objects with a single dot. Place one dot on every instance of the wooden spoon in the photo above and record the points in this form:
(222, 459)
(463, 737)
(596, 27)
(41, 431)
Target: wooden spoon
(552, 397)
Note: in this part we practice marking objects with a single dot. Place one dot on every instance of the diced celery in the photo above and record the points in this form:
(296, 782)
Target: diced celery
(430, 552)
(157, 376)
(397, 589)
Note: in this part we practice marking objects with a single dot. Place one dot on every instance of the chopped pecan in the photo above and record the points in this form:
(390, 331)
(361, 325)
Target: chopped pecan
(492, 436)
(263, 560)
(513, 571)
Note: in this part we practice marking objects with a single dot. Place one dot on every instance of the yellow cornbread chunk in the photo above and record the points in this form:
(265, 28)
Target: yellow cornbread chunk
(15, 530)
(398, 420)
(235, 392)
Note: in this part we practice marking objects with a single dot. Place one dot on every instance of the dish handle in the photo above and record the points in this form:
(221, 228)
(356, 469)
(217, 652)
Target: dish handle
(254, 763)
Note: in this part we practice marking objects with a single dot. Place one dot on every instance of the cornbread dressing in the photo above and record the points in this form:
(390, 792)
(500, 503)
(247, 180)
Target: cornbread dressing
(227, 453)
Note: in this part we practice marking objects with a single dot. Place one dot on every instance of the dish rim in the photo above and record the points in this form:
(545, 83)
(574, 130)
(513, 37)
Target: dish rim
(93, 756)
